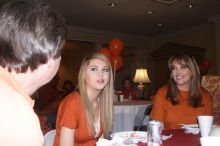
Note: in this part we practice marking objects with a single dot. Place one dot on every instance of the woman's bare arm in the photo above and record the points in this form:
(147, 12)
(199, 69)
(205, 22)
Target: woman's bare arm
(67, 136)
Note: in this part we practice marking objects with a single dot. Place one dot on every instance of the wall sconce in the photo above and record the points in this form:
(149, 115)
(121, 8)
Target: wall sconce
(141, 77)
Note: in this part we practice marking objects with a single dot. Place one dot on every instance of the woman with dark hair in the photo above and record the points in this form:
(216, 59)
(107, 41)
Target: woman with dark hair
(183, 99)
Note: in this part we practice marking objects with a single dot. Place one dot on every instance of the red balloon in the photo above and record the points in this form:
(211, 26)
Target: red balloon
(203, 69)
(207, 63)
(116, 46)
(106, 52)
(117, 62)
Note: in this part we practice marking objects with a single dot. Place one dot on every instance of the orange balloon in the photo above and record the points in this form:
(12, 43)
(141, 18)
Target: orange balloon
(117, 62)
(106, 52)
(116, 46)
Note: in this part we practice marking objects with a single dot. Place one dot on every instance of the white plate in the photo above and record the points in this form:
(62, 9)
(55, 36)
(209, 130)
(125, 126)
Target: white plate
(189, 126)
(192, 126)
(135, 136)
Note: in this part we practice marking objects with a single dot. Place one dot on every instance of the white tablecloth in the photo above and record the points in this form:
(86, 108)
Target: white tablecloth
(127, 115)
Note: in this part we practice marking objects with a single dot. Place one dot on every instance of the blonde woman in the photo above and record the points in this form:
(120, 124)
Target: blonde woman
(183, 99)
(86, 114)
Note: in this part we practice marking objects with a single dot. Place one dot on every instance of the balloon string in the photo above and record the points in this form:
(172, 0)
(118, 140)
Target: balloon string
(114, 71)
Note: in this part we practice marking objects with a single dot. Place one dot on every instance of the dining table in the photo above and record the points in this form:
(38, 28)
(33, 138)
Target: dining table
(179, 138)
(128, 114)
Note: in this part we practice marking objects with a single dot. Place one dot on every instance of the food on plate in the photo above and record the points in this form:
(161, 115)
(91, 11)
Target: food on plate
(130, 134)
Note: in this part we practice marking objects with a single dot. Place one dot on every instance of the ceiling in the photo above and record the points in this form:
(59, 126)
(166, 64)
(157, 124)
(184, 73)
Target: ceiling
(131, 17)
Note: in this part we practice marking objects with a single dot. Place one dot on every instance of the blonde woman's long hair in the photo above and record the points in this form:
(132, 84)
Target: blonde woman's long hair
(195, 86)
(105, 97)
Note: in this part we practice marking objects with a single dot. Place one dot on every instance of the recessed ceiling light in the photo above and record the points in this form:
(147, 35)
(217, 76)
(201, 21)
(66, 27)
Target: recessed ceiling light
(149, 12)
(159, 24)
(112, 4)
(190, 6)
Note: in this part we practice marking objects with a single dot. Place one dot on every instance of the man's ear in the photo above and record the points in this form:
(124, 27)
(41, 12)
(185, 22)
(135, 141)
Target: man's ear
(49, 62)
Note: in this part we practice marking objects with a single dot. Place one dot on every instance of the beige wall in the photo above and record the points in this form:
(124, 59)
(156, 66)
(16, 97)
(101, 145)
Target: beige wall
(103, 37)
(217, 35)
(73, 53)
(202, 36)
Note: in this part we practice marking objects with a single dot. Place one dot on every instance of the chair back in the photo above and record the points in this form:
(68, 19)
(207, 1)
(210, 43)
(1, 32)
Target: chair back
(148, 110)
(141, 126)
(49, 138)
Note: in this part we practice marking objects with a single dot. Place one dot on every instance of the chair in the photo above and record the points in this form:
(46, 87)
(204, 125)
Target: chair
(49, 138)
(147, 112)
(45, 126)
(212, 84)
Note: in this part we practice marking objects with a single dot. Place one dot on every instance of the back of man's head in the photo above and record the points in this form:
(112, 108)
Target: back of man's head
(31, 32)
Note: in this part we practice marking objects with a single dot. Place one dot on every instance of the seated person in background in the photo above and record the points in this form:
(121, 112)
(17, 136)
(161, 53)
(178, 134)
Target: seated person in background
(86, 114)
(46, 94)
(68, 87)
(129, 90)
(183, 99)
(47, 100)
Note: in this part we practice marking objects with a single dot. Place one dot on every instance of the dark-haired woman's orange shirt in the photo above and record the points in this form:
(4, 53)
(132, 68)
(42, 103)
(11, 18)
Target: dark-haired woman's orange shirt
(71, 114)
(174, 115)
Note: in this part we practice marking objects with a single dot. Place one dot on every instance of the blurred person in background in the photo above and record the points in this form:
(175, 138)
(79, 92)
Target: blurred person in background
(46, 95)
(47, 100)
(129, 90)
(68, 87)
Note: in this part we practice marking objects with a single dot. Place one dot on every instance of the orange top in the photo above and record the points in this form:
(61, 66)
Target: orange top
(174, 115)
(71, 114)
(19, 125)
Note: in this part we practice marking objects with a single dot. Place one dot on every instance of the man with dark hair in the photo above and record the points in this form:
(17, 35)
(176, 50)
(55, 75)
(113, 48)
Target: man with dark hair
(129, 91)
(32, 35)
